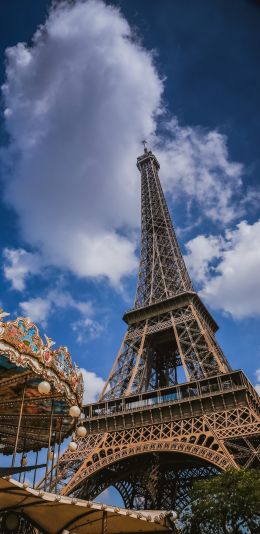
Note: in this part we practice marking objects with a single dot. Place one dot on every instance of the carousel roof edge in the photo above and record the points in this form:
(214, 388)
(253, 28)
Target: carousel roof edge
(74, 506)
(22, 345)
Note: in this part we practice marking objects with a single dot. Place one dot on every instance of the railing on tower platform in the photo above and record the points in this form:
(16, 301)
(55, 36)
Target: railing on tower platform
(231, 381)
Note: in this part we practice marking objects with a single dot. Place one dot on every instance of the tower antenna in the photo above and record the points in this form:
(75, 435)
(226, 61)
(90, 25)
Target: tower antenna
(144, 142)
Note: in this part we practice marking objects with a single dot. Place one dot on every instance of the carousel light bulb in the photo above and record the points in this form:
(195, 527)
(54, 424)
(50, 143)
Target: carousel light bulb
(73, 446)
(44, 387)
(50, 455)
(74, 411)
(81, 431)
(24, 461)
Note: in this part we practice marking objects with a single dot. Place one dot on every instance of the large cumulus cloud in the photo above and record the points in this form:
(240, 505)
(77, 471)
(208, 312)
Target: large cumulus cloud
(78, 103)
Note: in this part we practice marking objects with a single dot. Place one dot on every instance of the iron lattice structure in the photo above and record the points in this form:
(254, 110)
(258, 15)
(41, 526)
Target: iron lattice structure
(148, 435)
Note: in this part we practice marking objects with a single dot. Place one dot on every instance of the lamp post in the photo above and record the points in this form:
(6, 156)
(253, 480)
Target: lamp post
(19, 425)
(58, 457)
(36, 463)
(49, 445)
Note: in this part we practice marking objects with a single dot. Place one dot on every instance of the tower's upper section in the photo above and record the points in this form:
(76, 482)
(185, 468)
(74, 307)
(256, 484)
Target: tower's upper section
(162, 272)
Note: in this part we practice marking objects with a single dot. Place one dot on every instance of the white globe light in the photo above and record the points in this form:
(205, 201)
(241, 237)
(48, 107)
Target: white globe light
(44, 387)
(74, 411)
(50, 455)
(73, 446)
(81, 431)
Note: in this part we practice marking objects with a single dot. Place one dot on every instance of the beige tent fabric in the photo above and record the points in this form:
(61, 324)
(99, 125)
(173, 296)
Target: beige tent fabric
(55, 514)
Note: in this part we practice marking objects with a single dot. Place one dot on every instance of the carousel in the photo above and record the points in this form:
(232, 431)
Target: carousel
(41, 395)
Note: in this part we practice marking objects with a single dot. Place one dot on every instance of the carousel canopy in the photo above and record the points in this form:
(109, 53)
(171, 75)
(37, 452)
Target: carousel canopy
(53, 514)
(25, 363)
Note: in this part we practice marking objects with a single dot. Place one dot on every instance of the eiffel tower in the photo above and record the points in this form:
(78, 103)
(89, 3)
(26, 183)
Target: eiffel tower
(172, 410)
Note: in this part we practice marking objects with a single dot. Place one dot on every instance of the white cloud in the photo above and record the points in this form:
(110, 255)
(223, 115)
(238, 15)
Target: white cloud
(18, 265)
(201, 251)
(78, 103)
(78, 109)
(232, 281)
(93, 386)
(86, 329)
(63, 299)
(195, 163)
(39, 308)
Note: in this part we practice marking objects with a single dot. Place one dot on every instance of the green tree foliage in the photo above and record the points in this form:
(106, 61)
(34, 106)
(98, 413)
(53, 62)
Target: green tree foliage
(225, 504)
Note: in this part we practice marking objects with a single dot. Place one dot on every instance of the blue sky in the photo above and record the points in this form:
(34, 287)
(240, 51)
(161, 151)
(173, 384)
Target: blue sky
(78, 97)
